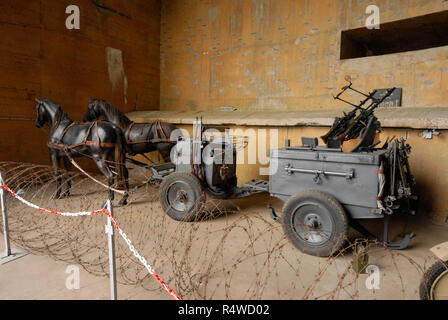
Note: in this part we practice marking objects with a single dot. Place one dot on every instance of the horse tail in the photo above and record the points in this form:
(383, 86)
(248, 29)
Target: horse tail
(120, 159)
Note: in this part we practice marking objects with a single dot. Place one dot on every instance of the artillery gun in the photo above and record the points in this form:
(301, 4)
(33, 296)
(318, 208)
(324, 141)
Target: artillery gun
(356, 122)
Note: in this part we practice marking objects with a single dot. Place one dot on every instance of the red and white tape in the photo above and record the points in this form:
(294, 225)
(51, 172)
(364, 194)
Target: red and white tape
(114, 223)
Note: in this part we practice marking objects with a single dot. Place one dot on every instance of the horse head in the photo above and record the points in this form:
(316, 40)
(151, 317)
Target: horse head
(48, 112)
(93, 111)
(101, 108)
(42, 117)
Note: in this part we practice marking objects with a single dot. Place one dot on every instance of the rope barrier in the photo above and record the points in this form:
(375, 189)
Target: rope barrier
(114, 223)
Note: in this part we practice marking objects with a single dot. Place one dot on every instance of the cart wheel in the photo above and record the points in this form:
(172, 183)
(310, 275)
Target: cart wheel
(182, 196)
(315, 223)
(434, 285)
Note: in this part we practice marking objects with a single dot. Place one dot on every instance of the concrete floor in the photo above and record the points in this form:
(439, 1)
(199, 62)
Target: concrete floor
(243, 254)
(36, 277)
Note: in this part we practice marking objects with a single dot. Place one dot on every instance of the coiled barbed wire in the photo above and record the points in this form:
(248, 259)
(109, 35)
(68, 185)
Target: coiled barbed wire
(234, 252)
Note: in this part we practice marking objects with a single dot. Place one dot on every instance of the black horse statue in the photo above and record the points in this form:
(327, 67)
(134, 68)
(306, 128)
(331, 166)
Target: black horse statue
(141, 138)
(100, 140)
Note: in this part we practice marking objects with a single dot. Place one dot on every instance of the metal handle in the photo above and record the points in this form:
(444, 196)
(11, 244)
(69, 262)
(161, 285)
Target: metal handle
(347, 175)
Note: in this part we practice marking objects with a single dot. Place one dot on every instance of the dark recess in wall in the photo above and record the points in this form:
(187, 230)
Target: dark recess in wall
(423, 32)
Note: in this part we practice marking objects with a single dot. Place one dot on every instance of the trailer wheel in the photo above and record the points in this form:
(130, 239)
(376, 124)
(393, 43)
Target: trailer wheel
(434, 285)
(182, 196)
(315, 222)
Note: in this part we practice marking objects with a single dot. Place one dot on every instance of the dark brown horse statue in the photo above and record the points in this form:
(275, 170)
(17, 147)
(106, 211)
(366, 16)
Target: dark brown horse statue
(140, 137)
(100, 140)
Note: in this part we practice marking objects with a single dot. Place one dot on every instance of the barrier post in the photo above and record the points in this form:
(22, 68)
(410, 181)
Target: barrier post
(111, 245)
(9, 255)
(5, 219)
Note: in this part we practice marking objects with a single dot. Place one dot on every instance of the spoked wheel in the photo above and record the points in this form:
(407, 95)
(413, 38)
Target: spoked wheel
(434, 285)
(315, 223)
(182, 196)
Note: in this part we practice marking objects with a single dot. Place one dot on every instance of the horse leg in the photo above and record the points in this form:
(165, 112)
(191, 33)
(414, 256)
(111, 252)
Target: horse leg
(68, 167)
(101, 164)
(124, 200)
(165, 151)
(55, 162)
(122, 177)
(119, 159)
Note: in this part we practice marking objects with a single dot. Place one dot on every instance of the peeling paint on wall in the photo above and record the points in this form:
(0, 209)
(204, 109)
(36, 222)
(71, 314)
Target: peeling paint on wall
(115, 68)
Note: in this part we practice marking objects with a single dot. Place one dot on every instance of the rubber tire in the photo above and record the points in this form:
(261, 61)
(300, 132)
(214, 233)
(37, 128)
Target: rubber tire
(194, 213)
(337, 214)
(429, 277)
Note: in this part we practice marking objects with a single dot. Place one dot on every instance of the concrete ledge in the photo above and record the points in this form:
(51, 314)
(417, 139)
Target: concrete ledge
(404, 117)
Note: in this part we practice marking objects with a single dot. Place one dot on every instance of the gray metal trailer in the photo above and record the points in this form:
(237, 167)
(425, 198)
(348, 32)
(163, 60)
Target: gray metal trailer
(352, 178)
(324, 189)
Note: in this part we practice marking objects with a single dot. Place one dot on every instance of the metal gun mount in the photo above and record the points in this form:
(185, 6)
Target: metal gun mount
(354, 123)
(369, 96)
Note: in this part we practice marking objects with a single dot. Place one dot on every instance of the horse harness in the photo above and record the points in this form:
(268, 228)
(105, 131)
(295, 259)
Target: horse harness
(63, 147)
(159, 134)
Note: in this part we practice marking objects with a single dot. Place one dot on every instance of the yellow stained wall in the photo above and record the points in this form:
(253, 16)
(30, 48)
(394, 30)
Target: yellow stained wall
(284, 54)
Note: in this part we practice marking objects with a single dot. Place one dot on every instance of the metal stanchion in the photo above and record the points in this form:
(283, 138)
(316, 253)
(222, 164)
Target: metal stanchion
(111, 245)
(9, 255)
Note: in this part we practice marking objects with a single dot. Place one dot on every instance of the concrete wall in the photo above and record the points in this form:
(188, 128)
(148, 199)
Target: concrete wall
(259, 55)
(39, 57)
(284, 54)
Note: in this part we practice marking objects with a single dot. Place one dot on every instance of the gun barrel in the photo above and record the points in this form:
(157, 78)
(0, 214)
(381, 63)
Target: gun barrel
(350, 125)
(365, 114)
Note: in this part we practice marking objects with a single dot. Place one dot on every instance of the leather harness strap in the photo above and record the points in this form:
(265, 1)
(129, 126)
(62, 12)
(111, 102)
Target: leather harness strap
(61, 146)
(128, 132)
(151, 141)
(158, 132)
(88, 131)
(66, 129)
